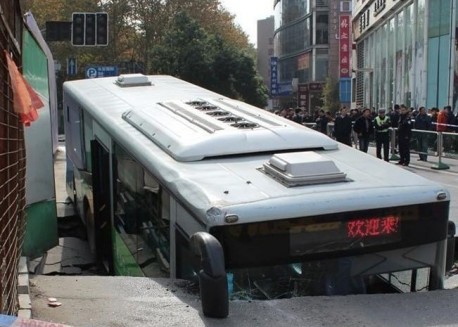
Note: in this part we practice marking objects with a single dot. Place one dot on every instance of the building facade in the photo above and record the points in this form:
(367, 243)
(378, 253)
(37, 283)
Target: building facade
(265, 48)
(406, 53)
(307, 45)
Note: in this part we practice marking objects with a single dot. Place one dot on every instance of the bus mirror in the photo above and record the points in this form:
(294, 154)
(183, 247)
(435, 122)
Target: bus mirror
(212, 275)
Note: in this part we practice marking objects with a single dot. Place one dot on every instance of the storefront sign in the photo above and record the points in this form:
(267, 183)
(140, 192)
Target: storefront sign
(273, 76)
(303, 96)
(303, 61)
(344, 46)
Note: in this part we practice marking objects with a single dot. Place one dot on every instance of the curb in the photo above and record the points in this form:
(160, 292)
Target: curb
(25, 303)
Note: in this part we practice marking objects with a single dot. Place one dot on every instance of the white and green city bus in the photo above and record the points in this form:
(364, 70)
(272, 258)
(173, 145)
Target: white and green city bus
(173, 180)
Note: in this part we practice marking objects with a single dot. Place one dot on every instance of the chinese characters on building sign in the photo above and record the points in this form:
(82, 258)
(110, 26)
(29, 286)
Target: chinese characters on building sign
(303, 96)
(273, 76)
(344, 46)
(379, 5)
(364, 20)
(334, 18)
(373, 227)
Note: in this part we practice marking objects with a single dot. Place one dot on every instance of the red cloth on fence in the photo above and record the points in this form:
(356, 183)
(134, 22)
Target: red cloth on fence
(442, 121)
(26, 100)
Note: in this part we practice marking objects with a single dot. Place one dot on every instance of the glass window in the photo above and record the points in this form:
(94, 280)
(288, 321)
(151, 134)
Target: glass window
(288, 11)
(383, 67)
(399, 58)
(321, 65)
(294, 38)
(419, 53)
(88, 136)
(439, 18)
(438, 52)
(322, 29)
(287, 69)
(390, 61)
(408, 56)
(142, 215)
(75, 135)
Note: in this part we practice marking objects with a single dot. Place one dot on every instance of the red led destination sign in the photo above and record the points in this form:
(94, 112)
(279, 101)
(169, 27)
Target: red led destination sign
(373, 227)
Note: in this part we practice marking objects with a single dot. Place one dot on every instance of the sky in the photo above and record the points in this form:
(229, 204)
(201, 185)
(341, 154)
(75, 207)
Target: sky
(248, 12)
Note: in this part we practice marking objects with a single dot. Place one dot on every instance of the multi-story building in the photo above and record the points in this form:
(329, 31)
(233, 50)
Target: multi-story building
(308, 48)
(406, 52)
(265, 48)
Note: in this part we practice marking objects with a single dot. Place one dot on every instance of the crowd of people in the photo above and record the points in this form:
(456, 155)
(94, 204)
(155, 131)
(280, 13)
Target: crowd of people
(359, 126)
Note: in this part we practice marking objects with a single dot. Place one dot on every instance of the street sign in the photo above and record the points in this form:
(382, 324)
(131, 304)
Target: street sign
(71, 66)
(273, 76)
(101, 71)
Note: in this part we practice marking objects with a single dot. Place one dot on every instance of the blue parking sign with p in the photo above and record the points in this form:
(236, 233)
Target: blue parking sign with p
(101, 71)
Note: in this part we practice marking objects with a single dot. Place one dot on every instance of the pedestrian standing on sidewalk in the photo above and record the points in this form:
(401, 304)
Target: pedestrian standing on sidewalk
(364, 128)
(394, 116)
(322, 122)
(343, 127)
(423, 123)
(405, 133)
(382, 123)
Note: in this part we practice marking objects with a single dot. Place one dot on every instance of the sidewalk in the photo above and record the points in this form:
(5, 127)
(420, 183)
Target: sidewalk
(432, 163)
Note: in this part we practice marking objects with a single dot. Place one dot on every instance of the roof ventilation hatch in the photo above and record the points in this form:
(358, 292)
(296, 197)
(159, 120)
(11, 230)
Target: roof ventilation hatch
(303, 168)
(129, 80)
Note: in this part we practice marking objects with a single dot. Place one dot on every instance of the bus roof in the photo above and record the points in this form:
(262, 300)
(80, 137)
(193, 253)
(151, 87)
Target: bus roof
(194, 123)
(209, 164)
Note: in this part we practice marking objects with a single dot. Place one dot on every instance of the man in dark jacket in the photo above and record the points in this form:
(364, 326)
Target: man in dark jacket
(405, 133)
(423, 122)
(322, 122)
(342, 127)
(364, 128)
(394, 117)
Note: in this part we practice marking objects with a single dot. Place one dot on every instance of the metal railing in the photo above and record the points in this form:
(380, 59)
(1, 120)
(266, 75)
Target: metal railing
(12, 164)
(431, 143)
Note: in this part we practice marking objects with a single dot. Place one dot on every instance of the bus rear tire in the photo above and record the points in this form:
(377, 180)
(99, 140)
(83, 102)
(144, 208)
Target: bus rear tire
(90, 228)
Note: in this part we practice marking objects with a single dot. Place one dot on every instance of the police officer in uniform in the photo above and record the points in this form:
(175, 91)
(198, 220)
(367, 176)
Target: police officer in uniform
(382, 123)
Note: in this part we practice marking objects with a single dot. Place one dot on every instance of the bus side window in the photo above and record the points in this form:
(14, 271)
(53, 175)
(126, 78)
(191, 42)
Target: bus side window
(74, 136)
(142, 216)
(156, 225)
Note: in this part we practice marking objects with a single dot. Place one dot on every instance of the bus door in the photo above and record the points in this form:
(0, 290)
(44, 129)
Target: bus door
(102, 205)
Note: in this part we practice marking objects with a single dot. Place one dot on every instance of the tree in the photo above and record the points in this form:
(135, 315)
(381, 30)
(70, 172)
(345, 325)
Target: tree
(190, 53)
(186, 51)
(196, 40)
(331, 95)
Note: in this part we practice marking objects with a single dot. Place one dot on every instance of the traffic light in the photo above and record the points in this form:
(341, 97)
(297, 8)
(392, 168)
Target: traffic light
(102, 28)
(89, 31)
(78, 22)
